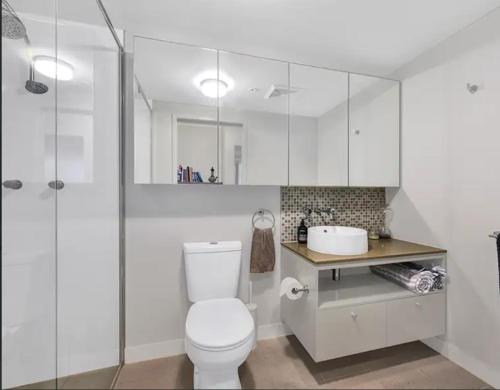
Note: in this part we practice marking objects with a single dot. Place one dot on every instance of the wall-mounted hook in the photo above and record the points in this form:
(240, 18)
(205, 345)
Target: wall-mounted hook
(472, 88)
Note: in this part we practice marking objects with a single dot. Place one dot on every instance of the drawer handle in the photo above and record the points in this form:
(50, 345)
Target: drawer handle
(354, 315)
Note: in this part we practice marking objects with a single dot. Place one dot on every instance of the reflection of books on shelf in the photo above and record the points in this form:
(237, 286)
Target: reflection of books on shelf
(188, 175)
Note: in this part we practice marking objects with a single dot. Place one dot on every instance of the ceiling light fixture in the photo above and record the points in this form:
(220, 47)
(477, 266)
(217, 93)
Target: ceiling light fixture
(213, 88)
(213, 84)
(53, 68)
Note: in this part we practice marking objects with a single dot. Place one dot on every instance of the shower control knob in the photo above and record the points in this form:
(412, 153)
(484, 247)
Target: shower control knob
(354, 315)
(56, 184)
(13, 184)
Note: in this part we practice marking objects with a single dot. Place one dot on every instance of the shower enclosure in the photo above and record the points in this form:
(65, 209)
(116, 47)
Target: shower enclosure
(62, 265)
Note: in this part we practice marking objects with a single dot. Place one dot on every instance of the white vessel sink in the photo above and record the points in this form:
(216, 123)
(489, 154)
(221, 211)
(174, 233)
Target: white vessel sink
(337, 240)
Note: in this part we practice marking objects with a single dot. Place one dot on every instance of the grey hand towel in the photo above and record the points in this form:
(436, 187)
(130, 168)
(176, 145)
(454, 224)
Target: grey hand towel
(262, 257)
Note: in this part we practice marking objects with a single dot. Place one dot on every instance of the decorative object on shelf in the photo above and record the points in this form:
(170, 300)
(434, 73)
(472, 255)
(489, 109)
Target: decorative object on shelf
(212, 179)
(385, 231)
(188, 175)
(373, 235)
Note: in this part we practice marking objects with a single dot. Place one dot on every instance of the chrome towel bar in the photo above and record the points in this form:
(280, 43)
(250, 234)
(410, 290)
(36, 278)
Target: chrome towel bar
(261, 213)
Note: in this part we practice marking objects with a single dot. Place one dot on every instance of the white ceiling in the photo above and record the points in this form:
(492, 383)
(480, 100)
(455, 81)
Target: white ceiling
(366, 36)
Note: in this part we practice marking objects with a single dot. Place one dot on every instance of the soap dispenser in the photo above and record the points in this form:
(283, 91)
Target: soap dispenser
(302, 232)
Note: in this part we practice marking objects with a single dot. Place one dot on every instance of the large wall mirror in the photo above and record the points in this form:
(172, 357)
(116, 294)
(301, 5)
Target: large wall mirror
(318, 127)
(208, 117)
(205, 116)
(374, 131)
(176, 137)
(253, 116)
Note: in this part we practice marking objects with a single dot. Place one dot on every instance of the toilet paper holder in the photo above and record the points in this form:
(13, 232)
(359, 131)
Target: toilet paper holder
(304, 289)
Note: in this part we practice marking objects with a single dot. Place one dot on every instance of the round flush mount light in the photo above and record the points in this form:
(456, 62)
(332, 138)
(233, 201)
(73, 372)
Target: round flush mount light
(213, 88)
(213, 84)
(53, 68)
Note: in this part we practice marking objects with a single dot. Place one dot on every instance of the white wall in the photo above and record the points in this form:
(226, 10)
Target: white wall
(451, 184)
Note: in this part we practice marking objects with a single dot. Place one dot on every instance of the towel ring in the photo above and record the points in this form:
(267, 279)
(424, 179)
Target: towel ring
(260, 213)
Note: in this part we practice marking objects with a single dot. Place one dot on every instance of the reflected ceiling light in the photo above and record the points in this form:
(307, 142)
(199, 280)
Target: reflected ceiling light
(212, 86)
(53, 68)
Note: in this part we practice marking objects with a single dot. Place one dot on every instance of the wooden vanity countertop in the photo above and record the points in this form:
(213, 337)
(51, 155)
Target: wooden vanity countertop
(377, 249)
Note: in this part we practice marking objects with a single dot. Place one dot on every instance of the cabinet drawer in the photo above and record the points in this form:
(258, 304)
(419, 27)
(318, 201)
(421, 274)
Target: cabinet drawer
(350, 330)
(415, 318)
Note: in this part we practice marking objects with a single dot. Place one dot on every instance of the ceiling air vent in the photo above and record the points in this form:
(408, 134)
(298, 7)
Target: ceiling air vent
(279, 90)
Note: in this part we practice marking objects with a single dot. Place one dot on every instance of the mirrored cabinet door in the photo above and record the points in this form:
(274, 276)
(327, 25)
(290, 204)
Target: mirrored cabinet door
(253, 120)
(373, 131)
(178, 140)
(318, 127)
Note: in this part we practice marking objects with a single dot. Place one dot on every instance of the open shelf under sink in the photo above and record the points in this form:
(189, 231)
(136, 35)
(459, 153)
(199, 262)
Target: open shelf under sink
(359, 289)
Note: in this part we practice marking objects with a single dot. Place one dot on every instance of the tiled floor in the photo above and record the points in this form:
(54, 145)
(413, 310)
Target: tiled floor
(283, 363)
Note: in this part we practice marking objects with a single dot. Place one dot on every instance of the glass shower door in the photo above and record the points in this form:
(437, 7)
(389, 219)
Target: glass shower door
(88, 208)
(28, 203)
(61, 210)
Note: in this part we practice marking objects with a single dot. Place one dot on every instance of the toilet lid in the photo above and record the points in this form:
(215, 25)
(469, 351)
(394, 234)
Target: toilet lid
(219, 323)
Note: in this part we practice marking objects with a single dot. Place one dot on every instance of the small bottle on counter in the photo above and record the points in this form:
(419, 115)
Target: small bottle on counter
(302, 232)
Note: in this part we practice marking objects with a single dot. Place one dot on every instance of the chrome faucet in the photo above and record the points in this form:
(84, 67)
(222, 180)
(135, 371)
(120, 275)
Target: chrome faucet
(328, 210)
(319, 211)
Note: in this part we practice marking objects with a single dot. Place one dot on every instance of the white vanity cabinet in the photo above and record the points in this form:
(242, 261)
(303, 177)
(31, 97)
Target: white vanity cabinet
(361, 311)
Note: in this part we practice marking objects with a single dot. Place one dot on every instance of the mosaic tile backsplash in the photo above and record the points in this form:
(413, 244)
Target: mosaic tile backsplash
(357, 207)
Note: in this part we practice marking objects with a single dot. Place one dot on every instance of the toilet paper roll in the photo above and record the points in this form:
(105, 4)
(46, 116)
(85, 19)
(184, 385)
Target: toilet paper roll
(286, 288)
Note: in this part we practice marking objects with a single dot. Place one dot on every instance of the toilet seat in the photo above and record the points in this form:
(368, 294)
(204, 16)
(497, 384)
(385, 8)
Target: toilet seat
(219, 324)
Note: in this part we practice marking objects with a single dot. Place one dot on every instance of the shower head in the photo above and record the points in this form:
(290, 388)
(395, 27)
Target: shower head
(12, 26)
(36, 87)
(33, 86)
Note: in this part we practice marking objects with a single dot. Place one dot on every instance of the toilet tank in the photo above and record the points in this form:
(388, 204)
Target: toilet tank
(212, 269)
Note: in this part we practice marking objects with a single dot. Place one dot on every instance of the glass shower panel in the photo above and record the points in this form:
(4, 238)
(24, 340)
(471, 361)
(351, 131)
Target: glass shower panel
(88, 199)
(28, 203)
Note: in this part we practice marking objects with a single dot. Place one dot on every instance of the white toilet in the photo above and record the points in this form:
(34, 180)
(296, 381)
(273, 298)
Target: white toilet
(220, 331)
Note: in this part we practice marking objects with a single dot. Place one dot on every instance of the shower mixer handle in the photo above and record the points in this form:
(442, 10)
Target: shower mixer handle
(13, 184)
(56, 184)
